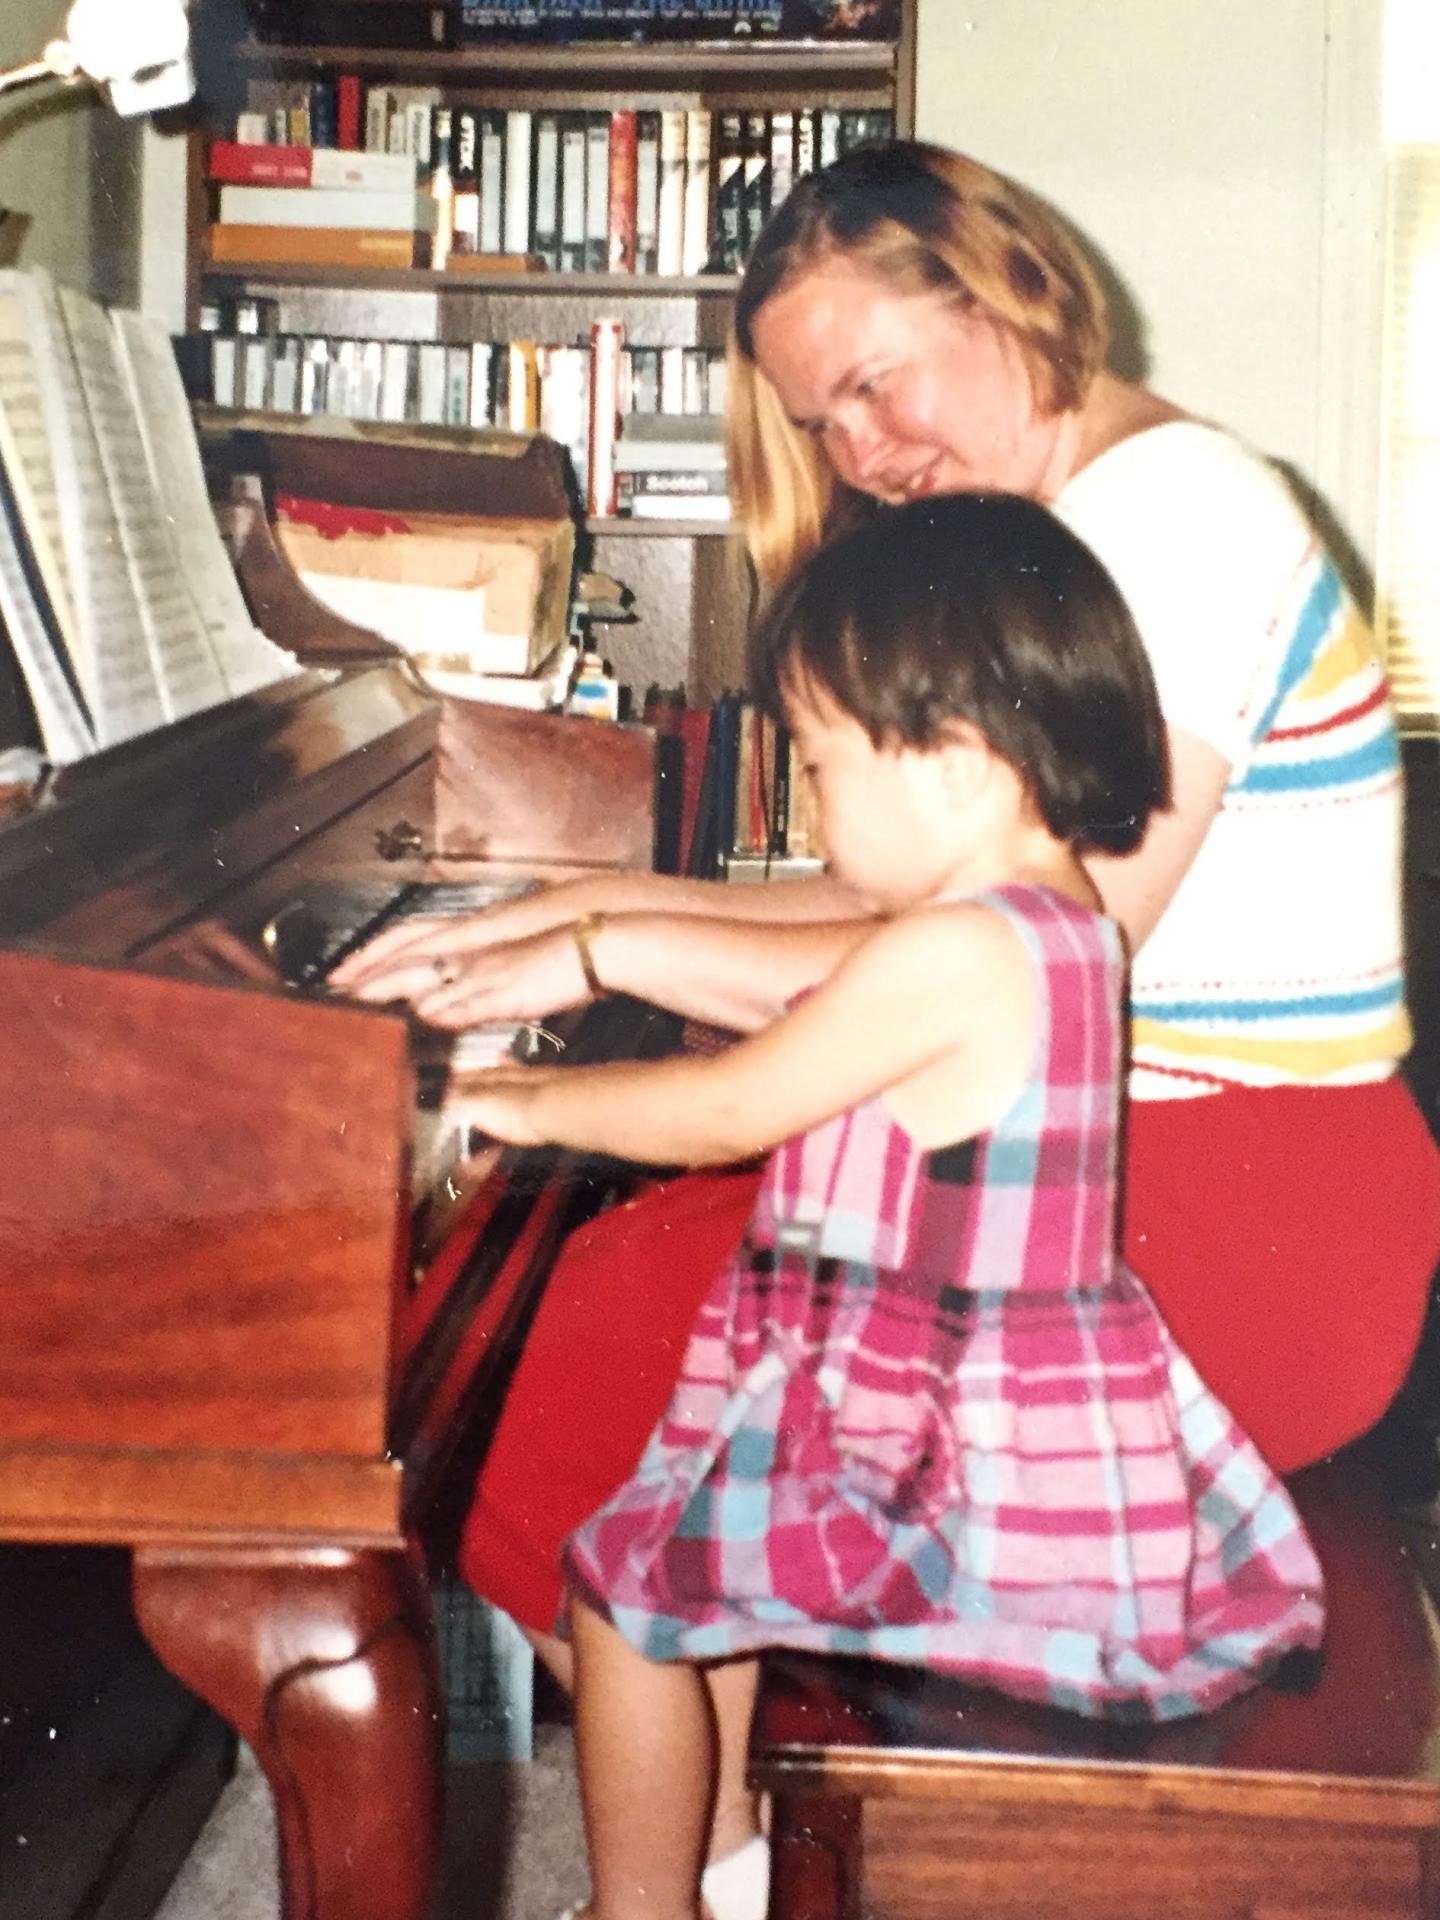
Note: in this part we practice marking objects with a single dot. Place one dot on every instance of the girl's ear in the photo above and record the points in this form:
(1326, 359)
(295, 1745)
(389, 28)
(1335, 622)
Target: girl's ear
(965, 762)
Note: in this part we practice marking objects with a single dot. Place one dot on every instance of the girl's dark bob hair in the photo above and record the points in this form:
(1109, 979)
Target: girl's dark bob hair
(982, 608)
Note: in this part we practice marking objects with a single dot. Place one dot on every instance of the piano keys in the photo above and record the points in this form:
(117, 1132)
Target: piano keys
(228, 1348)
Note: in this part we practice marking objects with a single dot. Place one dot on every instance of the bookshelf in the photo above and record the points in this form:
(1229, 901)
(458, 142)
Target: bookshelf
(691, 587)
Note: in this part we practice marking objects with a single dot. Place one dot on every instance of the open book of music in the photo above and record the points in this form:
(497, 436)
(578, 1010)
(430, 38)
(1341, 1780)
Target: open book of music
(120, 606)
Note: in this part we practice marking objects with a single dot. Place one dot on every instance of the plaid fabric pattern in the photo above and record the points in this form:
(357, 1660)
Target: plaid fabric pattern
(928, 1415)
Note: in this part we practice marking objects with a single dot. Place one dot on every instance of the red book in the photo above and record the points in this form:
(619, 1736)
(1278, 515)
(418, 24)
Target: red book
(695, 732)
(621, 227)
(347, 110)
(239, 161)
(242, 163)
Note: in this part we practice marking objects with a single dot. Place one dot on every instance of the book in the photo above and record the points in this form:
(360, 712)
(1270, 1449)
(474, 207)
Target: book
(311, 246)
(647, 190)
(465, 205)
(572, 192)
(685, 506)
(668, 482)
(348, 111)
(516, 226)
(607, 339)
(695, 235)
(522, 388)
(546, 236)
(397, 377)
(492, 180)
(379, 209)
(782, 156)
(597, 190)
(331, 167)
(755, 188)
(670, 220)
(620, 227)
(729, 182)
(430, 399)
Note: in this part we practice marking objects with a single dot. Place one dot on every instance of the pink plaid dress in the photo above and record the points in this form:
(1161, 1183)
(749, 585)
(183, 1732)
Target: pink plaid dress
(928, 1416)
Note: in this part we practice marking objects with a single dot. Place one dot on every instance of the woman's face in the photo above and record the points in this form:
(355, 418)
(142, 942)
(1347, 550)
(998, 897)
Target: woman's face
(905, 394)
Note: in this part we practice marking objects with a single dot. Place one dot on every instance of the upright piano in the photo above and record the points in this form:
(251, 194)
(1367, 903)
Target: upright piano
(236, 1341)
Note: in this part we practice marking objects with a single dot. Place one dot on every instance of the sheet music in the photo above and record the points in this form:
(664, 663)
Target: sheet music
(66, 730)
(111, 653)
(25, 449)
(247, 657)
(186, 667)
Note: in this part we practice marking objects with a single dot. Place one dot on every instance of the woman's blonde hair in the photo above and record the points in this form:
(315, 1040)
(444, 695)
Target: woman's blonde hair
(920, 220)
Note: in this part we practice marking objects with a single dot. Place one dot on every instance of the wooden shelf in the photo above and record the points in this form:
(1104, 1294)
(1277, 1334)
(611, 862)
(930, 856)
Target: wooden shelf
(597, 65)
(647, 286)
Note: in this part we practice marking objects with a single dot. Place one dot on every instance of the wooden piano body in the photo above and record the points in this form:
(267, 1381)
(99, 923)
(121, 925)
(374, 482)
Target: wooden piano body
(219, 1351)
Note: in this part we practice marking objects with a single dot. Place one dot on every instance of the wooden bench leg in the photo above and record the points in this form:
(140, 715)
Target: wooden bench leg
(815, 1857)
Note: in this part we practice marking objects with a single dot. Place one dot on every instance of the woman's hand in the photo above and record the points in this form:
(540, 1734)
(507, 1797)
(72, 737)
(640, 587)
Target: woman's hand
(454, 984)
(423, 941)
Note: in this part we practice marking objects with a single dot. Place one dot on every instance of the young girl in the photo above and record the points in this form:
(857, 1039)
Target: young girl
(925, 1415)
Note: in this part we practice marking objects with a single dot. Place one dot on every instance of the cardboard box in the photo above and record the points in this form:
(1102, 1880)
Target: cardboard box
(459, 593)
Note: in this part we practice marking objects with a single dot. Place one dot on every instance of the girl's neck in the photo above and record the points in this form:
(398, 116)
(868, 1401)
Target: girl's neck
(1028, 855)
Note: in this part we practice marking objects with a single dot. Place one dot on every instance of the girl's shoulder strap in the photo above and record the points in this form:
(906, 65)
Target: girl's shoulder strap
(1052, 924)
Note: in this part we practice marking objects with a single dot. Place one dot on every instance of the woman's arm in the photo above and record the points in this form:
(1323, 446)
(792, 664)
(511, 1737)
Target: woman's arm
(738, 974)
(1136, 888)
(920, 991)
(781, 902)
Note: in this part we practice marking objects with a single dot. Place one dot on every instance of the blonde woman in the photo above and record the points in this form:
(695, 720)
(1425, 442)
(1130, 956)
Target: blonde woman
(910, 324)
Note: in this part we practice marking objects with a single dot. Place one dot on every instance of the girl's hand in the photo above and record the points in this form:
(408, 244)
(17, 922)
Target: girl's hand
(501, 1103)
(453, 986)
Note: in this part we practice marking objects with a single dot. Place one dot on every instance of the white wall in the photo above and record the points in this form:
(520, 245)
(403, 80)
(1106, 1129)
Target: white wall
(1224, 158)
(45, 138)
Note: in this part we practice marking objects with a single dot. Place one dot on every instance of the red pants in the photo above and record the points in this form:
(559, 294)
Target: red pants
(1289, 1237)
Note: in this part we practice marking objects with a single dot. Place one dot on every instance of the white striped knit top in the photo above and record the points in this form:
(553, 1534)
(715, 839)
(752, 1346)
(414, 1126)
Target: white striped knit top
(1279, 960)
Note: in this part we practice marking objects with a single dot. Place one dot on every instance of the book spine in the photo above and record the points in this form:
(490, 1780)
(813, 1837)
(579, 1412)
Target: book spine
(457, 386)
(804, 141)
(442, 193)
(620, 230)
(523, 388)
(248, 164)
(377, 120)
(572, 192)
(782, 156)
(565, 404)
(607, 339)
(347, 111)
(647, 190)
(335, 167)
(311, 246)
(252, 130)
(324, 114)
(378, 207)
(547, 188)
(672, 379)
(395, 379)
(695, 238)
(431, 408)
(369, 373)
(827, 142)
(670, 224)
(729, 181)
(465, 206)
(597, 190)
(644, 380)
(492, 181)
(518, 129)
(755, 193)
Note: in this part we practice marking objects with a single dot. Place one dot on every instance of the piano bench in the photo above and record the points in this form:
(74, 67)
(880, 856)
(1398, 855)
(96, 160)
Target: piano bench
(905, 1796)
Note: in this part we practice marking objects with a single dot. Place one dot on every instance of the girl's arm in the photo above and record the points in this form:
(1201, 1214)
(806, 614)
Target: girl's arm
(942, 992)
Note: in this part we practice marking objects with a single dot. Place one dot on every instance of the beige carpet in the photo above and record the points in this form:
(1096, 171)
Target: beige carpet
(514, 1849)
